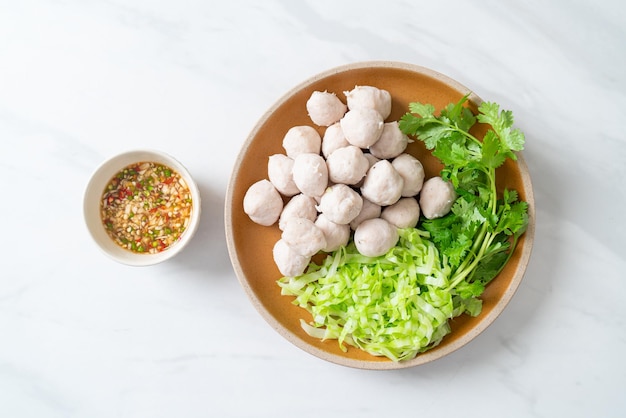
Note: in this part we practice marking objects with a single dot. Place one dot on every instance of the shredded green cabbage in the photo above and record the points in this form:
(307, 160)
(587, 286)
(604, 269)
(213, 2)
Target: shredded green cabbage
(396, 305)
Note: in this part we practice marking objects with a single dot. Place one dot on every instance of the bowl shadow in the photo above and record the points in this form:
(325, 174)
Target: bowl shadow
(207, 252)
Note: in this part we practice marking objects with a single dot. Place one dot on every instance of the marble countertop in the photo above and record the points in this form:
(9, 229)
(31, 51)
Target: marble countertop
(80, 81)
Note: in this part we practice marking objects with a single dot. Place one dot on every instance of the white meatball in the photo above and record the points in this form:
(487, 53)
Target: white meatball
(383, 184)
(336, 235)
(280, 173)
(289, 262)
(300, 206)
(302, 139)
(369, 97)
(436, 198)
(362, 127)
(325, 108)
(347, 165)
(412, 172)
(375, 237)
(403, 214)
(392, 142)
(368, 211)
(310, 174)
(372, 160)
(262, 203)
(340, 204)
(333, 139)
(303, 236)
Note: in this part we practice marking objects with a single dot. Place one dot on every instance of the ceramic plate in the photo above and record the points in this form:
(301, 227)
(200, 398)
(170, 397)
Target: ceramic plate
(250, 245)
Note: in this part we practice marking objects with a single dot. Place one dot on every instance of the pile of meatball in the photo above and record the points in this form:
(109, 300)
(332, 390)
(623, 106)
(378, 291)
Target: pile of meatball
(353, 182)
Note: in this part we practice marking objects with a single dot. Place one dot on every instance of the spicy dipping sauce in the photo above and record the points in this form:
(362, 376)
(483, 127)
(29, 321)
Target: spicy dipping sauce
(146, 207)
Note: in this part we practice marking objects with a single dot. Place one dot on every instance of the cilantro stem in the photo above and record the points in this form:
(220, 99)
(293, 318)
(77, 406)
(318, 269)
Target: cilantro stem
(473, 259)
(483, 239)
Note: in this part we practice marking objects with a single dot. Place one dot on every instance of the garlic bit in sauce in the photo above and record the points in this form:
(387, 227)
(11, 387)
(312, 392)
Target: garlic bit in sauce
(146, 207)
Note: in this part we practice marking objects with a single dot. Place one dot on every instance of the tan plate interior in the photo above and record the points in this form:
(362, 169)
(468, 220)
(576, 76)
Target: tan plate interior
(250, 245)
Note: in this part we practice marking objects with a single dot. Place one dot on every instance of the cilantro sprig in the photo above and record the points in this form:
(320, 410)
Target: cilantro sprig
(478, 236)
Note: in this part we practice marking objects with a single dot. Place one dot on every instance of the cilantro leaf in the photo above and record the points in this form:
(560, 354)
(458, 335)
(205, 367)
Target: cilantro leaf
(432, 133)
(452, 150)
(491, 155)
(426, 111)
(514, 218)
(459, 115)
(501, 122)
(509, 196)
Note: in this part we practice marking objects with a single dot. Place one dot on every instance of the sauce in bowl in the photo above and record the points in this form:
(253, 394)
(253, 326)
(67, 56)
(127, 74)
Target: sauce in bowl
(146, 207)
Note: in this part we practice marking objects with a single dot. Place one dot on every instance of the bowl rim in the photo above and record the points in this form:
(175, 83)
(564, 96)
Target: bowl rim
(427, 356)
(91, 206)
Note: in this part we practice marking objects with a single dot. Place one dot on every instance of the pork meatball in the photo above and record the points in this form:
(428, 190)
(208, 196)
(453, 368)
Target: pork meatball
(299, 206)
(302, 139)
(280, 173)
(368, 211)
(392, 142)
(347, 165)
(369, 97)
(375, 237)
(436, 198)
(310, 174)
(362, 127)
(340, 204)
(289, 262)
(372, 160)
(303, 236)
(333, 139)
(412, 172)
(262, 203)
(383, 184)
(403, 214)
(325, 108)
(336, 235)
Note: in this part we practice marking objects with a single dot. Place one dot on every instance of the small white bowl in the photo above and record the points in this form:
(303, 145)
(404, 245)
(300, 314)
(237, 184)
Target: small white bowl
(93, 195)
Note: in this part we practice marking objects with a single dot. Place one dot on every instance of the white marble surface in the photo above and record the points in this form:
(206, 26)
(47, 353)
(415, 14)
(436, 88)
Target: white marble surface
(81, 336)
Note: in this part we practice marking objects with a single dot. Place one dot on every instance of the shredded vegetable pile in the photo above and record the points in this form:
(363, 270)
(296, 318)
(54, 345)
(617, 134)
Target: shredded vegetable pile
(399, 305)
(396, 305)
